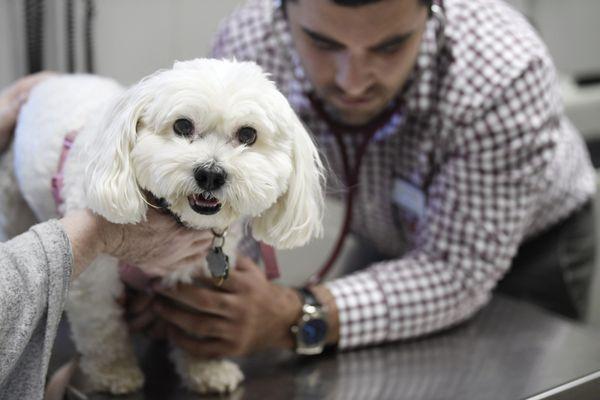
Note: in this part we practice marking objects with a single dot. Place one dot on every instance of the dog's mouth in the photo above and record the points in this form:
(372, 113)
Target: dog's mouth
(204, 203)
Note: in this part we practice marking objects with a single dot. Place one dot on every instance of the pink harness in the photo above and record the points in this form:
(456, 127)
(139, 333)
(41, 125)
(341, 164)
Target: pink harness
(268, 254)
(58, 178)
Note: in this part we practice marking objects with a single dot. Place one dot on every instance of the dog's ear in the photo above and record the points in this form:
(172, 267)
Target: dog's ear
(111, 187)
(297, 216)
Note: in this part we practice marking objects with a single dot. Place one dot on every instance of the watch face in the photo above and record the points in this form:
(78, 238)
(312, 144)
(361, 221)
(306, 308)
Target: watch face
(313, 332)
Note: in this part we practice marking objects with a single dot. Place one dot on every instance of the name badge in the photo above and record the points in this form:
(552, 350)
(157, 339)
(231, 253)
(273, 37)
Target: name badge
(409, 197)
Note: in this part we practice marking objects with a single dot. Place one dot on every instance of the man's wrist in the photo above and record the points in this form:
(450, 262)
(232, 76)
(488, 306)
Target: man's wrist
(292, 313)
(295, 315)
(325, 297)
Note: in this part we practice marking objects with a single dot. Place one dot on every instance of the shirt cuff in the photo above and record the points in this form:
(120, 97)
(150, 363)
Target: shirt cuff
(362, 309)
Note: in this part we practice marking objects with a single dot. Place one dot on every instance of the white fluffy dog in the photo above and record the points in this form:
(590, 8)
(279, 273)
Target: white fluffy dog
(215, 139)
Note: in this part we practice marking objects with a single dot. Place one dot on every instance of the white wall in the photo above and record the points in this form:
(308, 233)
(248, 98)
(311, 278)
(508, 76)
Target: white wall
(571, 31)
(11, 38)
(136, 37)
(133, 37)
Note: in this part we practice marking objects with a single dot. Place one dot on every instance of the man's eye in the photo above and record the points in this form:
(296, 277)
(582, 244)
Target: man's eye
(183, 127)
(390, 48)
(324, 45)
(246, 135)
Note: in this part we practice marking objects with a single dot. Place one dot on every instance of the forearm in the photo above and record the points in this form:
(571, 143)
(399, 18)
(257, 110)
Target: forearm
(36, 269)
(83, 229)
(33, 264)
(408, 298)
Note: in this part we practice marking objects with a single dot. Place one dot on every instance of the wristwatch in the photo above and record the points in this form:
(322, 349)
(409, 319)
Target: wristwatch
(311, 329)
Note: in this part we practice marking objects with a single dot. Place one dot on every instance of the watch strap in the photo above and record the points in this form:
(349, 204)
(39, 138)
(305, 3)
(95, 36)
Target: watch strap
(312, 321)
(308, 297)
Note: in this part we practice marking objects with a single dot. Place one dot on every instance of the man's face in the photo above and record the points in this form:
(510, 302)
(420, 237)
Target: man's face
(357, 58)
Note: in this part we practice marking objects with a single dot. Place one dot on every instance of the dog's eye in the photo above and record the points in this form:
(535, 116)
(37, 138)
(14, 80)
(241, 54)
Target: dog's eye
(247, 135)
(183, 127)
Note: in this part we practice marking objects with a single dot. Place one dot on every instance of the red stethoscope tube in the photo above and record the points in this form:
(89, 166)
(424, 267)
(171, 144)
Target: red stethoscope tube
(351, 175)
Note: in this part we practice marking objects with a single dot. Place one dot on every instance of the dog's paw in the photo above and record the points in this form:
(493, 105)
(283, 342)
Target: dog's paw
(212, 376)
(117, 377)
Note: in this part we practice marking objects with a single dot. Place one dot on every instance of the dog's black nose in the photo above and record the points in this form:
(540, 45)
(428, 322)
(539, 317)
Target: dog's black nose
(210, 178)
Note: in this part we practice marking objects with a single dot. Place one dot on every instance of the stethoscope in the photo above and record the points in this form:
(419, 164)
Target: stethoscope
(351, 174)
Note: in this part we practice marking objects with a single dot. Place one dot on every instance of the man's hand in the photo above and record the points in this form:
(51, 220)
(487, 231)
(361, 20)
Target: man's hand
(11, 100)
(139, 314)
(247, 314)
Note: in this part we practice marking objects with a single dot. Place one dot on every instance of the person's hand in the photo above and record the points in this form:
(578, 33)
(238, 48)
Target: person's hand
(158, 245)
(11, 100)
(189, 249)
(139, 314)
(247, 314)
(137, 300)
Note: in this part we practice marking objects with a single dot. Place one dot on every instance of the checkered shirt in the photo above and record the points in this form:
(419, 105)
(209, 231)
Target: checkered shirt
(481, 133)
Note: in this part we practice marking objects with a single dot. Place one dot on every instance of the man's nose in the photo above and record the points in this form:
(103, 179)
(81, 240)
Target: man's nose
(210, 178)
(353, 74)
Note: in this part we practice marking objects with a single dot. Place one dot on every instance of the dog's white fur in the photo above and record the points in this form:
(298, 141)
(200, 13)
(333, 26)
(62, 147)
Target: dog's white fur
(126, 143)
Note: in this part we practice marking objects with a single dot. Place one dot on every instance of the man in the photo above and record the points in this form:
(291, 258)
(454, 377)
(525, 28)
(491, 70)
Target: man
(472, 176)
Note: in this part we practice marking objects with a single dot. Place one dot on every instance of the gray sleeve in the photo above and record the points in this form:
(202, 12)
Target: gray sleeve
(35, 271)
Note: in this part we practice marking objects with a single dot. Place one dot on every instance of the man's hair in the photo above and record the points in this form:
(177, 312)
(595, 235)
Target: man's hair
(356, 3)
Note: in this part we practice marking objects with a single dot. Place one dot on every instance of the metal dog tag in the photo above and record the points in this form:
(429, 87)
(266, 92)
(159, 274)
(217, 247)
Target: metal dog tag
(218, 263)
